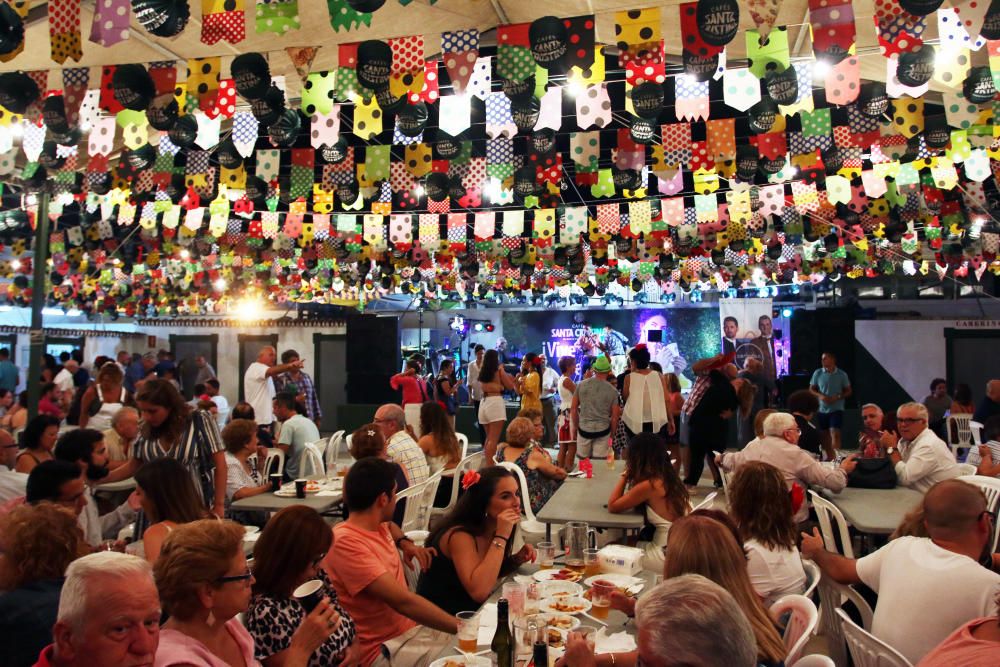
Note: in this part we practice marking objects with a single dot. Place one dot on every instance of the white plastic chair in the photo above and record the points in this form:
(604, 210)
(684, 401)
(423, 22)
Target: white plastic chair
(311, 458)
(332, 453)
(707, 502)
(828, 514)
(813, 574)
(463, 444)
(990, 486)
(977, 432)
(832, 596)
(967, 469)
(815, 660)
(530, 525)
(801, 623)
(274, 464)
(725, 480)
(417, 514)
(958, 431)
(471, 462)
(866, 649)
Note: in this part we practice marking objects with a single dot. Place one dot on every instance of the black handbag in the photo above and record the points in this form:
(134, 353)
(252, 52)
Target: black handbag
(873, 474)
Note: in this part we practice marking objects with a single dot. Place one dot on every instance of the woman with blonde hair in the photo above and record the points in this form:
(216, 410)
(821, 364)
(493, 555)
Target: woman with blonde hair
(699, 545)
(204, 582)
(760, 503)
(543, 476)
(104, 398)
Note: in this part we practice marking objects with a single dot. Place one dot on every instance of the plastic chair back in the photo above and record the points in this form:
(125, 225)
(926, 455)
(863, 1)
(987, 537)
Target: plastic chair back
(959, 432)
(530, 523)
(419, 500)
(274, 464)
(707, 502)
(311, 460)
(828, 515)
(801, 623)
(832, 596)
(813, 574)
(990, 486)
(977, 432)
(463, 444)
(332, 453)
(471, 462)
(866, 649)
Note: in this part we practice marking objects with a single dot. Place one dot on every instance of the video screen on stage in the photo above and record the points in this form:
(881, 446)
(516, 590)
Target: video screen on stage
(676, 337)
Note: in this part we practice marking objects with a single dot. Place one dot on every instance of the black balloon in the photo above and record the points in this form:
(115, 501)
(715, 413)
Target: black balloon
(366, 6)
(833, 160)
(456, 189)
(49, 157)
(525, 113)
(543, 141)
(132, 86)
(921, 7)
(436, 186)
(701, 68)
(163, 18)
(162, 112)
(979, 86)
(625, 179)
(227, 155)
(873, 100)
(718, 21)
(991, 22)
(18, 91)
(783, 87)
(548, 38)
(763, 115)
(387, 101)
(518, 90)
(647, 100)
(256, 188)
(412, 119)
(771, 167)
(251, 75)
(267, 108)
(525, 183)
(11, 29)
(916, 68)
(746, 161)
(334, 153)
(54, 113)
(70, 137)
(141, 158)
(937, 134)
(348, 192)
(447, 147)
(374, 64)
(184, 131)
(642, 130)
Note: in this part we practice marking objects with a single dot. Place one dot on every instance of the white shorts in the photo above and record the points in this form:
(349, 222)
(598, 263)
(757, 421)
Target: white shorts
(492, 409)
(591, 447)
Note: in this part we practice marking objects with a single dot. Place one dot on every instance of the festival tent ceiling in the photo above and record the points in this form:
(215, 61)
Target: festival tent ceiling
(650, 169)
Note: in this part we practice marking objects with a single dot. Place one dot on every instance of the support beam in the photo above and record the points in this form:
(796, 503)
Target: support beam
(39, 290)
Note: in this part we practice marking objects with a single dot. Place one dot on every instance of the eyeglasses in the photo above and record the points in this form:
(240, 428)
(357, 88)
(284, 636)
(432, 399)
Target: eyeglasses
(908, 420)
(246, 576)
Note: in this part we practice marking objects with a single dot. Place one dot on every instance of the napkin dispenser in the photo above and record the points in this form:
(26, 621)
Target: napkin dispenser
(619, 559)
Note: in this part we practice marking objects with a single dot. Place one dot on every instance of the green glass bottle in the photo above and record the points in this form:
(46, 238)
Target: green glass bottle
(503, 643)
(540, 653)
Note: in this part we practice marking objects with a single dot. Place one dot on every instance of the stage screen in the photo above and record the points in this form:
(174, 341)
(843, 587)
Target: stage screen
(677, 337)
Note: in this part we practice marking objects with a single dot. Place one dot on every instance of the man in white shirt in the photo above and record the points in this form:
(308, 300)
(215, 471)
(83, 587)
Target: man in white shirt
(920, 457)
(927, 587)
(64, 382)
(475, 387)
(12, 483)
(212, 388)
(550, 387)
(85, 447)
(296, 431)
(258, 385)
(400, 447)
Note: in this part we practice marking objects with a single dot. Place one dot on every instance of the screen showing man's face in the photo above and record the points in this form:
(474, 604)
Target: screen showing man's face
(765, 326)
(730, 327)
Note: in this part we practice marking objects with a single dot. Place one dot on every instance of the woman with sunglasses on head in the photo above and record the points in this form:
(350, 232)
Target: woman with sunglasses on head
(288, 554)
(204, 582)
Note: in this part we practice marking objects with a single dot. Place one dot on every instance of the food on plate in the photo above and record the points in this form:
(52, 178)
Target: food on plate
(566, 575)
(567, 607)
(555, 638)
(564, 622)
(312, 485)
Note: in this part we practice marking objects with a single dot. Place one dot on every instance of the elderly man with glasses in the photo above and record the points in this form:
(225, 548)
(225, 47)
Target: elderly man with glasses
(921, 459)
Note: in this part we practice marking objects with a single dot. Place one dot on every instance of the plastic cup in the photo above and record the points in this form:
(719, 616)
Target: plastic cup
(309, 594)
(514, 592)
(591, 562)
(589, 634)
(468, 631)
(546, 552)
(600, 599)
(275, 482)
(300, 488)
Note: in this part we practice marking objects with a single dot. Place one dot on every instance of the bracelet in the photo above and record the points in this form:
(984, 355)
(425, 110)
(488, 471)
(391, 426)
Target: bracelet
(501, 537)
(404, 537)
(498, 545)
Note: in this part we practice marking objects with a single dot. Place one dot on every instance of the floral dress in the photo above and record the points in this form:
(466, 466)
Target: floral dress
(540, 487)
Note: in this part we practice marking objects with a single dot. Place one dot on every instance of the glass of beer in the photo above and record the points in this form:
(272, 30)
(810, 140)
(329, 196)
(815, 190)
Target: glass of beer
(342, 471)
(600, 598)
(577, 538)
(592, 564)
(468, 631)
(546, 552)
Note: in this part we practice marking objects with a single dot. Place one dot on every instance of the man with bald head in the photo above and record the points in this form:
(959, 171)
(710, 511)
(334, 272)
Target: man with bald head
(927, 586)
(990, 407)
(400, 446)
(258, 383)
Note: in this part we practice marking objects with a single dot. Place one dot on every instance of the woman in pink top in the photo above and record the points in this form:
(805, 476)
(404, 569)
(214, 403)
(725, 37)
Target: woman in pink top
(975, 644)
(416, 392)
(204, 582)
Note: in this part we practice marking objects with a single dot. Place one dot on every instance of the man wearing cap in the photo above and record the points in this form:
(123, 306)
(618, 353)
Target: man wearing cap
(595, 412)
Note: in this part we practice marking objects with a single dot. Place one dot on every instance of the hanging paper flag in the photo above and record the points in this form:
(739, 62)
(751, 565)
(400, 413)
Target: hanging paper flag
(374, 230)
(833, 31)
(951, 69)
(302, 58)
(460, 49)
(691, 37)
(367, 118)
(581, 42)
(770, 57)
(721, 139)
(909, 118)
(764, 13)
(550, 111)
(277, 16)
(514, 59)
(593, 107)
(458, 231)
(485, 225)
(971, 13)
(804, 98)
(513, 223)
(244, 133)
(481, 84)
(692, 102)
(898, 30)
(455, 114)
(223, 20)
(639, 38)
(585, 150)
(843, 83)
(952, 33)
(772, 145)
(111, 22)
(344, 16)
(64, 30)
(407, 69)
(499, 121)
(676, 139)
(203, 81)
(325, 128)
(429, 93)
(74, 81)
(960, 112)
(741, 89)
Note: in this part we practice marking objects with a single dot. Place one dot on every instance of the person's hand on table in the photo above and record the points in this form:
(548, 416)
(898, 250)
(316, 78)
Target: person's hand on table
(984, 453)
(578, 653)
(849, 464)
(812, 544)
(525, 555)
(623, 603)
(410, 551)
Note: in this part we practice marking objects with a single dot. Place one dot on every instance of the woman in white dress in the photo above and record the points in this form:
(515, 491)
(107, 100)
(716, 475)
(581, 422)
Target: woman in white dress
(647, 405)
(104, 398)
(564, 425)
(650, 480)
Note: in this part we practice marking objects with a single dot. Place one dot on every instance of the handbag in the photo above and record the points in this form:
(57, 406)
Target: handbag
(873, 474)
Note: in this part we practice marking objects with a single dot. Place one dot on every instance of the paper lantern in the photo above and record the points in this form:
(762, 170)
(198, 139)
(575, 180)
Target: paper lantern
(782, 87)
(642, 130)
(267, 108)
(334, 153)
(11, 29)
(412, 119)
(763, 115)
(251, 75)
(447, 148)
(54, 113)
(548, 38)
(525, 113)
(543, 141)
(746, 161)
(163, 18)
(916, 68)
(18, 91)
(436, 186)
(519, 90)
(132, 86)
(921, 7)
(184, 131)
(647, 100)
(374, 64)
(873, 100)
(979, 86)
(162, 112)
(718, 21)
(141, 158)
(227, 155)
(49, 158)
(701, 68)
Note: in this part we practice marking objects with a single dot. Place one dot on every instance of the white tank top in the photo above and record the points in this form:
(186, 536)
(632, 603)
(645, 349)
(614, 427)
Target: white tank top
(102, 420)
(645, 402)
(565, 395)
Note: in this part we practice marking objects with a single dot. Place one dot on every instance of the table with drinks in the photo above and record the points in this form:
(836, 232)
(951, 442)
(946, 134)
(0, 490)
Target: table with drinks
(541, 603)
(320, 492)
(586, 499)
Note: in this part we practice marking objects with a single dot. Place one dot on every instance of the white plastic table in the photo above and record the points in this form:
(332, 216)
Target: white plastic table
(874, 511)
(581, 499)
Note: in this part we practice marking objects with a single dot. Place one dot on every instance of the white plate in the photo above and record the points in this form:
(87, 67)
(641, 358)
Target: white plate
(290, 493)
(549, 575)
(553, 589)
(619, 580)
(471, 661)
(574, 622)
(250, 530)
(549, 605)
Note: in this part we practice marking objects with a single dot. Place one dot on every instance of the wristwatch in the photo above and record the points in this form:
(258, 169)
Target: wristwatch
(890, 451)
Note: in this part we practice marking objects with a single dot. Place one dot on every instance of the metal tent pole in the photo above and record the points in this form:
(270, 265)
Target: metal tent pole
(38, 293)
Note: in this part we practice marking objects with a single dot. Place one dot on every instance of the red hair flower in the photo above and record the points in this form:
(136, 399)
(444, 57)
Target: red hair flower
(640, 346)
(469, 478)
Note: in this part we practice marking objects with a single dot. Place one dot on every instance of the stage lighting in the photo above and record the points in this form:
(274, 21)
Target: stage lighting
(786, 312)
(490, 328)
(478, 327)
(457, 324)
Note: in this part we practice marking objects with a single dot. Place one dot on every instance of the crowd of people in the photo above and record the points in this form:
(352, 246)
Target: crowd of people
(179, 589)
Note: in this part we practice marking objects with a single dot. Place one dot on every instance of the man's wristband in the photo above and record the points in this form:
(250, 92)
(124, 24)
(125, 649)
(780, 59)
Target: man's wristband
(400, 539)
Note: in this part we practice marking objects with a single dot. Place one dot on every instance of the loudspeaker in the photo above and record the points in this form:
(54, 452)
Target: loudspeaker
(371, 388)
(372, 345)
(817, 331)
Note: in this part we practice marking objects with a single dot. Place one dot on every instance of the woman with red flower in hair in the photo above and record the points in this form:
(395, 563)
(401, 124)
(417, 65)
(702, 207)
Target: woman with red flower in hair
(474, 542)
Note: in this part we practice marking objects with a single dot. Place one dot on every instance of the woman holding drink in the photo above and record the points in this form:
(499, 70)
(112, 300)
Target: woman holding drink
(473, 542)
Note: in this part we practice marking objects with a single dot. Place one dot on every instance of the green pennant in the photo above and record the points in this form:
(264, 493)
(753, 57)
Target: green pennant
(343, 17)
